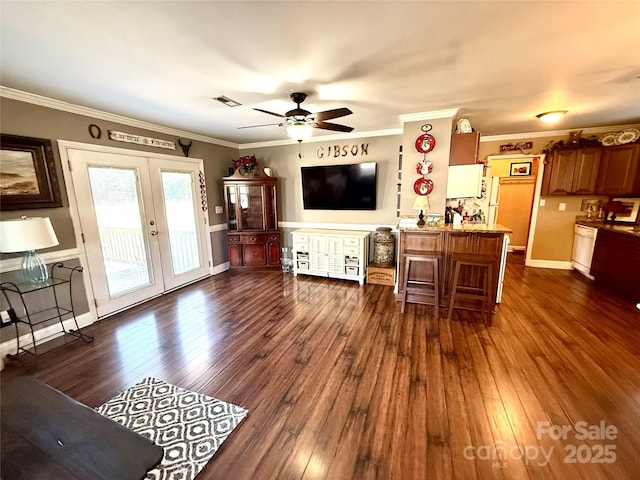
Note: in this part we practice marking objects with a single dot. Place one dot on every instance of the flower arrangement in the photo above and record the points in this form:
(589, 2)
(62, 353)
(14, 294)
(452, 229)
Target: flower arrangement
(247, 163)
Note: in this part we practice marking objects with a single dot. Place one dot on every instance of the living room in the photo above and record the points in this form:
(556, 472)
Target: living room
(561, 349)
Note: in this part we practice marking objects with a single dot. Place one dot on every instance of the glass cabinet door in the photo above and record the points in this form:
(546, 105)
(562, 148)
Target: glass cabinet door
(231, 207)
(270, 214)
(251, 207)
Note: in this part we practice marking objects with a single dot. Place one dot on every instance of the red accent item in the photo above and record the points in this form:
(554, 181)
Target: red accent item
(424, 167)
(425, 143)
(423, 186)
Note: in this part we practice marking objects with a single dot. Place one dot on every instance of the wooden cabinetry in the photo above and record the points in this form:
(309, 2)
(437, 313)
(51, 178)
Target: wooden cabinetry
(464, 148)
(572, 171)
(331, 253)
(252, 220)
(448, 242)
(616, 262)
(619, 171)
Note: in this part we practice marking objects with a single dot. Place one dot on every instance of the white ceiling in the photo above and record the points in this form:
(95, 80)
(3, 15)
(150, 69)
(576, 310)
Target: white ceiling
(500, 63)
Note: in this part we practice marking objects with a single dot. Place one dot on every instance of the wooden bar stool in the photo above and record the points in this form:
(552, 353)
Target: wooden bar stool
(422, 287)
(483, 294)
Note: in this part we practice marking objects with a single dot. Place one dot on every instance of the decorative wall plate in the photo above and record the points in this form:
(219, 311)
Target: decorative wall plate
(608, 139)
(425, 143)
(423, 186)
(627, 136)
(464, 126)
(424, 167)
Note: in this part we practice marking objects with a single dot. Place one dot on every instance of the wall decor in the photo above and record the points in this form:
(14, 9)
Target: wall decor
(516, 146)
(425, 143)
(626, 211)
(27, 174)
(520, 169)
(141, 140)
(342, 151)
(95, 131)
(185, 146)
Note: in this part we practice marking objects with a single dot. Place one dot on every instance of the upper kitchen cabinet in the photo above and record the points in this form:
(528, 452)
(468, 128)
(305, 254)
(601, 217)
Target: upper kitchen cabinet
(464, 148)
(252, 220)
(619, 171)
(572, 171)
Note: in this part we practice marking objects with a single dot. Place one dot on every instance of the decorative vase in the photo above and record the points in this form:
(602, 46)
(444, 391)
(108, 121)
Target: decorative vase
(384, 246)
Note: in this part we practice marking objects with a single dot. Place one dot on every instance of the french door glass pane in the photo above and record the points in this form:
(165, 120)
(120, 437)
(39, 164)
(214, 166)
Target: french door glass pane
(118, 214)
(181, 221)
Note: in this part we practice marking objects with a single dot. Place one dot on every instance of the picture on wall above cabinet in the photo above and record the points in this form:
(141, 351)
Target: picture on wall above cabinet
(520, 169)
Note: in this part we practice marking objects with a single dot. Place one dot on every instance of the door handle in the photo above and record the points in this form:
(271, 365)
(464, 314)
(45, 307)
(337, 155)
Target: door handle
(154, 232)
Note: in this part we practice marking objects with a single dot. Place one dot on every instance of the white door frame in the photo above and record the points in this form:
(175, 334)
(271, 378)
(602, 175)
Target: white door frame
(536, 196)
(63, 147)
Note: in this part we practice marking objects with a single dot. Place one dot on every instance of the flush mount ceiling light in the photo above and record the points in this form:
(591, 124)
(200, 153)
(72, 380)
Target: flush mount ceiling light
(553, 116)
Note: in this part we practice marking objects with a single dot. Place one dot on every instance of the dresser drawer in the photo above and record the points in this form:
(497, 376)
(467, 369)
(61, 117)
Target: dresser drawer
(274, 238)
(352, 242)
(233, 239)
(351, 251)
(301, 238)
(253, 238)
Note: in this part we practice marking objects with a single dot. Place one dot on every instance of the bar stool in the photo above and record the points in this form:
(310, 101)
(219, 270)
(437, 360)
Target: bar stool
(422, 287)
(482, 294)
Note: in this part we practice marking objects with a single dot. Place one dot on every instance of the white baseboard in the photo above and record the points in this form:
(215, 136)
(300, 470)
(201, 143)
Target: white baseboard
(44, 334)
(556, 264)
(223, 267)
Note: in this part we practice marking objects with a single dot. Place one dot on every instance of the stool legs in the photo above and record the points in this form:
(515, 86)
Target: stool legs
(485, 295)
(435, 285)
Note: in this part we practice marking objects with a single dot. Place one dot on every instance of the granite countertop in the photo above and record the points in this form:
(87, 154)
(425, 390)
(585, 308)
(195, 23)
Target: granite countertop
(465, 227)
(630, 229)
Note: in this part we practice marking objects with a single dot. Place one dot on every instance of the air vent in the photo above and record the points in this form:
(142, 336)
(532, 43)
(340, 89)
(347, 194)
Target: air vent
(227, 101)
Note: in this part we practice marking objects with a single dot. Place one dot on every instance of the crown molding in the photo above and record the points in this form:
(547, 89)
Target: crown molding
(556, 133)
(417, 117)
(111, 117)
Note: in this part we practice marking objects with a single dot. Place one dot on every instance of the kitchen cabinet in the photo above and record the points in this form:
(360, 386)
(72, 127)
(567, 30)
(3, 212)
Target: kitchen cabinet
(331, 253)
(253, 237)
(572, 171)
(616, 262)
(464, 148)
(619, 172)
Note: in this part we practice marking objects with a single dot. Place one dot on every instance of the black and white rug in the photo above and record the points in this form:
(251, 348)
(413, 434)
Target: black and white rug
(189, 426)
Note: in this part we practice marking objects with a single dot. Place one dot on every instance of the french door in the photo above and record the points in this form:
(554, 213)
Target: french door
(143, 226)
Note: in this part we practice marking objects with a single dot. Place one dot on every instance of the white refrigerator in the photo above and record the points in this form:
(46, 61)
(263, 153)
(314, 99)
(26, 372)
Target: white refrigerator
(492, 199)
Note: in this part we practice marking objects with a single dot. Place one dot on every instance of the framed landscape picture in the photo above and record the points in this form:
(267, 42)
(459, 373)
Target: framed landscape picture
(27, 174)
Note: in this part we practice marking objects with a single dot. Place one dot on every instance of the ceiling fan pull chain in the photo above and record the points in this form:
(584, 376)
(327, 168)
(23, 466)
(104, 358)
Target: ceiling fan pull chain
(299, 148)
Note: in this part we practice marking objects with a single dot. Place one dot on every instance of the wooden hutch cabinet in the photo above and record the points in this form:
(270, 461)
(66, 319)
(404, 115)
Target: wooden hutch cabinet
(252, 220)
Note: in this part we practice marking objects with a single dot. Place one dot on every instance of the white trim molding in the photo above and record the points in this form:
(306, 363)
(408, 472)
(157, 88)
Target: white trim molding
(555, 264)
(12, 264)
(334, 226)
(416, 117)
(218, 227)
(555, 133)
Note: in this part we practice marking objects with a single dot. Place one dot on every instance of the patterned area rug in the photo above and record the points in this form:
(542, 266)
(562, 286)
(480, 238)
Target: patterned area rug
(189, 426)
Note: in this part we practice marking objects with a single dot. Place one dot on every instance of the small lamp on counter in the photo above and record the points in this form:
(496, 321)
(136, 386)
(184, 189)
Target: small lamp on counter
(28, 235)
(421, 204)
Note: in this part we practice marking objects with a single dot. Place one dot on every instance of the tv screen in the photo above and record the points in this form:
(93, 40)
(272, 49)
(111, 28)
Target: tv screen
(340, 187)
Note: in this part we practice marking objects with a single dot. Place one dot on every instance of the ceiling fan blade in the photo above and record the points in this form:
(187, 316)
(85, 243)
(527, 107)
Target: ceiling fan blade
(333, 126)
(270, 113)
(261, 125)
(329, 114)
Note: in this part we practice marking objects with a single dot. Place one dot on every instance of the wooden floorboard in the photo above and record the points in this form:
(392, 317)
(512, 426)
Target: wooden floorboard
(340, 385)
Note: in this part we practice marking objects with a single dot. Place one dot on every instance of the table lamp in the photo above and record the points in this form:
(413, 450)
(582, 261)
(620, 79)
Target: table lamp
(28, 235)
(421, 204)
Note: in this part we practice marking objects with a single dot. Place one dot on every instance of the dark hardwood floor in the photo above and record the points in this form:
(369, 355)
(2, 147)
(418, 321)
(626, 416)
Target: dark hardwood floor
(340, 385)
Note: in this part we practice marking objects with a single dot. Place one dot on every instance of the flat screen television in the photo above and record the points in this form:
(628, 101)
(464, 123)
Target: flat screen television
(340, 187)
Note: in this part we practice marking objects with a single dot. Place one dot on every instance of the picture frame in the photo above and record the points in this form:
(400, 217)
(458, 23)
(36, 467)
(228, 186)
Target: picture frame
(27, 173)
(631, 209)
(520, 169)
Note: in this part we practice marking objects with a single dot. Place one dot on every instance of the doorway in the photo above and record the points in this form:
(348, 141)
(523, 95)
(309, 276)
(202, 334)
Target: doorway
(141, 222)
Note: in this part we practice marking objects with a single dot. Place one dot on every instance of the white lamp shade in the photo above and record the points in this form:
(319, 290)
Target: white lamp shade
(22, 235)
(299, 131)
(421, 203)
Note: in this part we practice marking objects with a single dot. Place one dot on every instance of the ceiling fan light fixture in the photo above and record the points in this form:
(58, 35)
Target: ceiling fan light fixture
(299, 131)
(552, 116)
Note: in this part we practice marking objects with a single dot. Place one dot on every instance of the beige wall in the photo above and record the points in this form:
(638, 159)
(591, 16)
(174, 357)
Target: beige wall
(284, 162)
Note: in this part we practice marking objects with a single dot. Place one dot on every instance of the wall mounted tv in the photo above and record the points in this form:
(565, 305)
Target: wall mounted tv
(340, 187)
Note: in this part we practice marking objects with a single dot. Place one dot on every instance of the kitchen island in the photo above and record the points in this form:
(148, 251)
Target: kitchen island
(469, 239)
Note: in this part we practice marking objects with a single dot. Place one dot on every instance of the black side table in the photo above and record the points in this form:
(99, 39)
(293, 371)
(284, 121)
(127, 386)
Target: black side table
(16, 295)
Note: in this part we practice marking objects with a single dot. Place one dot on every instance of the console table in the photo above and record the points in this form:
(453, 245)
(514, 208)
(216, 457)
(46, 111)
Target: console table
(340, 254)
(16, 295)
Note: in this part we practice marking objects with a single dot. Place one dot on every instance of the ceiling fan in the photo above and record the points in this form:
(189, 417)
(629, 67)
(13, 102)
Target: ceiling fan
(299, 122)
